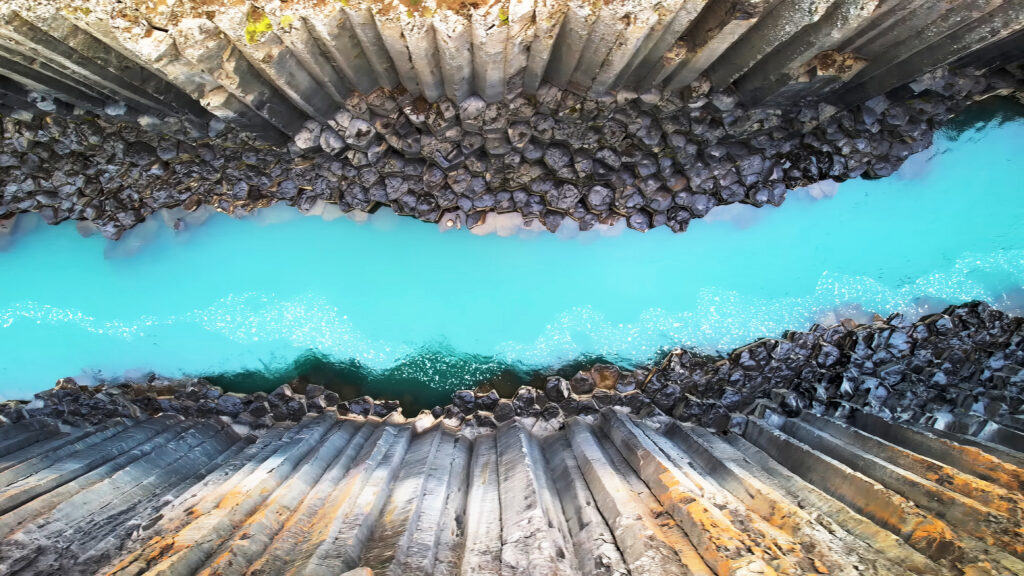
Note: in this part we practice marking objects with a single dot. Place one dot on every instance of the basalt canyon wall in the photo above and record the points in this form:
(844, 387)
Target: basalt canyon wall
(893, 447)
(652, 112)
(889, 447)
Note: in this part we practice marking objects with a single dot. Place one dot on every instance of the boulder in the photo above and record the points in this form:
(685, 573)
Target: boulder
(230, 405)
(582, 383)
(556, 389)
(605, 376)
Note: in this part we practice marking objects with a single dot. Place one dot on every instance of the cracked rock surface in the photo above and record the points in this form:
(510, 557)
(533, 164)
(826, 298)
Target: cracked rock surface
(892, 447)
(653, 162)
(961, 370)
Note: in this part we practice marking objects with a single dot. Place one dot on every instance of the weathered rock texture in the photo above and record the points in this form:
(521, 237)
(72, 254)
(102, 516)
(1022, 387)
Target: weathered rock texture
(961, 370)
(610, 493)
(654, 113)
(884, 448)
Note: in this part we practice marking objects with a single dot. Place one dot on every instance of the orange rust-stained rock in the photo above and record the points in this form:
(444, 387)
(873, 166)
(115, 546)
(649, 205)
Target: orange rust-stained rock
(640, 493)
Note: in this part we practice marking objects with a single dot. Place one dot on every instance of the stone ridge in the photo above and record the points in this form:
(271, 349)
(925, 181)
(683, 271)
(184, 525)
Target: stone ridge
(960, 370)
(889, 448)
(653, 162)
(452, 110)
(613, 492)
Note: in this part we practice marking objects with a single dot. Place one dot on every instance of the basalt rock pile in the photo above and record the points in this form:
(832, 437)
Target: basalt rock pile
(608, 493)
(78, 405)
(451, 111)
(960, 370)
(886, 448)
(657, 163)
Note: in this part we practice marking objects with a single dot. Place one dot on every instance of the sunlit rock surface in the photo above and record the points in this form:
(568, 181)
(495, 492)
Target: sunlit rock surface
(261, 300)
(611, 493)
(878, 447)
(893, 447)
(651, 114)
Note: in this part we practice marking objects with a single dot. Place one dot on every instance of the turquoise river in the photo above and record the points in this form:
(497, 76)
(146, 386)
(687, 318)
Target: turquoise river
(392, 301)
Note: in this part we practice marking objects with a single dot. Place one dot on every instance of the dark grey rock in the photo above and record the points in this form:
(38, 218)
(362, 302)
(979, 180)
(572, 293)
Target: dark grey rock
(556, 389)
(504, 411)
(229, 405)
(464, 401)
(582, 383)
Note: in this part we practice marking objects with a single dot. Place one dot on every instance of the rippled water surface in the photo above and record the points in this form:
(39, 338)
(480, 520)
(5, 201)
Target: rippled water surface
(395, 300)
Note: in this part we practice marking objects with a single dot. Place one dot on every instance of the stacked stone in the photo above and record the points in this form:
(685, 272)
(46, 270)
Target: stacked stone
(79, 405)
(585, 394)
(653, 160)
(961, 370)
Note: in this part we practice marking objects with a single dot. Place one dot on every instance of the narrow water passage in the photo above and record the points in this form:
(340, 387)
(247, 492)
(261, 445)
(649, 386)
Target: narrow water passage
(394, 294)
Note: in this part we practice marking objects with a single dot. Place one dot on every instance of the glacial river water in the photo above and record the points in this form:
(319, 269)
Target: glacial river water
(398, 308)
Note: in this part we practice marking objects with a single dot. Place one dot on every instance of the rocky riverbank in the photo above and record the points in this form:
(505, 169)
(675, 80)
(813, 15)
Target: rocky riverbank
(654, 159)
(959, 370)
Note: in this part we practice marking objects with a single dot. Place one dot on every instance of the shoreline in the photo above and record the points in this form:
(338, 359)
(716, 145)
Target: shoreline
(892, 367)
(681, 159)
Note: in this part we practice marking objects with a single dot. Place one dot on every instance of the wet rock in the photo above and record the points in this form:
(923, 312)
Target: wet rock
(635, 400)
(384, 407)
(149, 404)
(258, 409)
(316, 404)
(229, 405)
(666, 398)
(362, 406)
(488, 401)
(282, 393)
(587, 407)
(690, 409)
(556, 389)
(606, 398)
(255, 422)
(452, 417)
(626, 383)
(464, 401)
(569, 406)
(828, 355)
(292, 410)
(790, 402)
(605, 376)
(504, 411)
(716, 417)
(582, 383)
(330, 398)
(525, 402)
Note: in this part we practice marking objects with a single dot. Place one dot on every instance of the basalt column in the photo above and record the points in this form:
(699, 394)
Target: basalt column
(652, 112)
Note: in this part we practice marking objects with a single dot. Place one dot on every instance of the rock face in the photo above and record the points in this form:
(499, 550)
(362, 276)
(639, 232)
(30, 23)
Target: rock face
(960, 370)
(613, 492)
(894, 447)
(76, 405)
(112, 111)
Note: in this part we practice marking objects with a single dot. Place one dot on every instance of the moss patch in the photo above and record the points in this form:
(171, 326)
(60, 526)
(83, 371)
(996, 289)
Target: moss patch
(257, 25)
